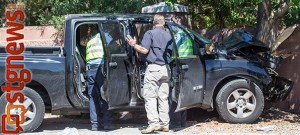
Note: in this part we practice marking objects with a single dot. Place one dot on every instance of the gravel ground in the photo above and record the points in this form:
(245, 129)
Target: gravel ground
(278, 121)
(199, 122)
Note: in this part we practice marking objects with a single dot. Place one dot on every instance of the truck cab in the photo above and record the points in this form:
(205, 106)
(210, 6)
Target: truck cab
(124, 68)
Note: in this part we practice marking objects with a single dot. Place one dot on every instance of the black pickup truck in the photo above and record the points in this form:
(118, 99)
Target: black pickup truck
(234, 77)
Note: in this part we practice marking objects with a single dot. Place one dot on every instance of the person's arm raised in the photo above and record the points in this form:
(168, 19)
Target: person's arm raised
(132, 42)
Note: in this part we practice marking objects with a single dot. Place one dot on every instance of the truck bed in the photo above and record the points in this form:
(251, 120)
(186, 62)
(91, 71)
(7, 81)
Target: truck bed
(32, 50)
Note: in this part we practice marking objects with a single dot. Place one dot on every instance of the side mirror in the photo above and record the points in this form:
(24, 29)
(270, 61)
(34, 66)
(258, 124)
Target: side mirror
(210, 48)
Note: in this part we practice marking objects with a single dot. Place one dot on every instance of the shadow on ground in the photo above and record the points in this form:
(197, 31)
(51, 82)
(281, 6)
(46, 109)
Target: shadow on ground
(276, 114)
(139, 120)
(55, 122)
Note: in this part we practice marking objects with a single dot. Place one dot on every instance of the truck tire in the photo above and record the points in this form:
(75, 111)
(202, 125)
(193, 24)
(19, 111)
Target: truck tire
(35, 114)
(240, 101)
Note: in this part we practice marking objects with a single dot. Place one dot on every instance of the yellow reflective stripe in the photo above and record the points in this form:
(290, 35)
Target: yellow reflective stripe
(92, 41)
(93, 56)
(96, 51)
(185, 50)
(94, 48)
(185, 47)
(185, 55)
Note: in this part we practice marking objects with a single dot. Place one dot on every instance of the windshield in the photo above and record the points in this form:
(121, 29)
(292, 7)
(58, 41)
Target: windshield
(242, 39)
(203, 39)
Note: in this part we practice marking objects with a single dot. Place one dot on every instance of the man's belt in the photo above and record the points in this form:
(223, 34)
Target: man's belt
(88, 67)
(156, 63)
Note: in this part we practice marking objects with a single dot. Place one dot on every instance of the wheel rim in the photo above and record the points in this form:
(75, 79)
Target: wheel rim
(241, 103)
(29, 105)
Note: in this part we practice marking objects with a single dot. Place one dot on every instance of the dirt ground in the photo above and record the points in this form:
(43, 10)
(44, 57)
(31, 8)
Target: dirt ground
(199, 122)
(277, 121)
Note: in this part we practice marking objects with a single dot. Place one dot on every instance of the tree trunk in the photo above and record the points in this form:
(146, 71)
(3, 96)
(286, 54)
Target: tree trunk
(2, 11)
(265, 27)
(268, 21)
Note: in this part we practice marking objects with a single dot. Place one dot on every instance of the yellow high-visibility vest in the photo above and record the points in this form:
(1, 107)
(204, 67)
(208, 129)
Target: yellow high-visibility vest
(94, 48)
(185, 45)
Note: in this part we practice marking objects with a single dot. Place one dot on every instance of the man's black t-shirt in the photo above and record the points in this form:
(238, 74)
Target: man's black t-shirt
(158, 42)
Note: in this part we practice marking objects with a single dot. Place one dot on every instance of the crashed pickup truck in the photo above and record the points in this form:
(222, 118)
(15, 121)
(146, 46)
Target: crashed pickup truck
(234, 77)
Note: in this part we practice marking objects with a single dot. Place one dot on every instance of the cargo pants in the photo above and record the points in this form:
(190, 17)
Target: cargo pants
(156, 93)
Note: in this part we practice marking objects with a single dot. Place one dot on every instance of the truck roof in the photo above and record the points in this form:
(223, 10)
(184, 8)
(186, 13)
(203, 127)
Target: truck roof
(111, 16)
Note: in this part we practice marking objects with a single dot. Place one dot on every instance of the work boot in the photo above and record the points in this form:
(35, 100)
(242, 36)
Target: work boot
(150, 129)
(163, 129)
(94, 129)
(110, 127)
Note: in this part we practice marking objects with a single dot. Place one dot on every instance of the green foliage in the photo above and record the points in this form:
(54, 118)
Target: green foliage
(2, 10)
(293, 14)
(52, 12)
(204, 13)
(242, 13)
(233, 13)
(170, 4)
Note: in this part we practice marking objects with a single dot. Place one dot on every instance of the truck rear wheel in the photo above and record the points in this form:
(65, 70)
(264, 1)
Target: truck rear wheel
(240, 101)
(33, 103)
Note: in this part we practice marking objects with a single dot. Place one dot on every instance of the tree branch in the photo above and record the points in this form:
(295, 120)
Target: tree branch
(280, 12)
(266, 4)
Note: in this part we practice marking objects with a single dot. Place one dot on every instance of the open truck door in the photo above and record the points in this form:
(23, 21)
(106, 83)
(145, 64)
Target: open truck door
(189, 68)
(116, 65)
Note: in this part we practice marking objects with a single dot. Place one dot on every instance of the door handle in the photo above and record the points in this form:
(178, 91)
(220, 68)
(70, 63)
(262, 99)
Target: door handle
(185, 67)
(113, 64)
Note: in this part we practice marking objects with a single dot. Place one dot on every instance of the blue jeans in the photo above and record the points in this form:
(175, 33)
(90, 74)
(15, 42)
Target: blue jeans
(95, 80)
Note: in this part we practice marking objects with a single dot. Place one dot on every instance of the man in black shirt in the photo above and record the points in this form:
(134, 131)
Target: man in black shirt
(155, 45)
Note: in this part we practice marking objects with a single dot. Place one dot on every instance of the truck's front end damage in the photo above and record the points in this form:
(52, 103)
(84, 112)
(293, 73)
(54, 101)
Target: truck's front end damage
(245, 45)
(278, 89)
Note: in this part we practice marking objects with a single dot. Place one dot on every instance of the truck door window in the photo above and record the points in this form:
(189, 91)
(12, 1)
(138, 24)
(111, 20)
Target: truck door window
(183, 41)
(114, 38)
(84, 32)
(141, 28)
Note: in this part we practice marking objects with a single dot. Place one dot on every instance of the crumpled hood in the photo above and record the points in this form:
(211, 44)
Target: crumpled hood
(241, 40)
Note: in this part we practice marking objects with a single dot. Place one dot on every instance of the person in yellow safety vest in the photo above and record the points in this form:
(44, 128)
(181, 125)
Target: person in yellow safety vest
(184, 44)
(95, 80)
(185, 48)
(94, 50)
